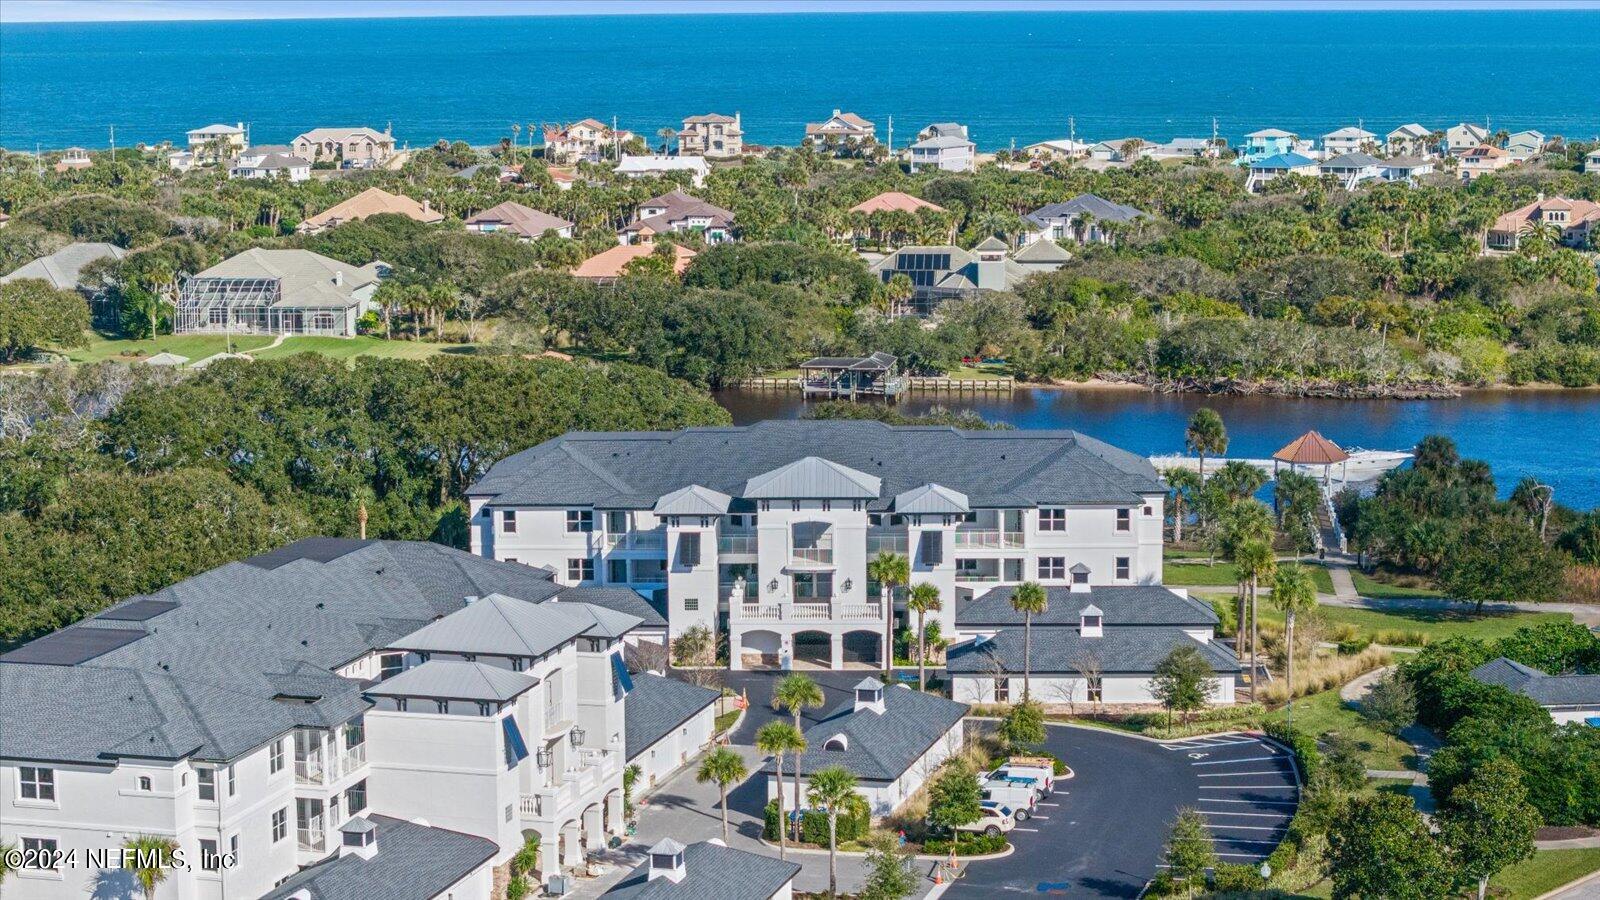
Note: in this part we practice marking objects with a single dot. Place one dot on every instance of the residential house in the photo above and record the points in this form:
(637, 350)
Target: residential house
(63, 269)
(669, 723)
(269, 162)
(1268, 169)
(350, 148)
(609, 265)
(708, 870)
(712, 134)
(1591, 162)
(73, 158)
(215, 143)
(841, 128)
(1090, 645)
(280, 710)
(586, 139)
(1460, 138)
(1525, 145)
(180, 160)
(1409, 140)
(944, 146)
(765, 531)
(1568, 698)
(278, 292)
(1271, 142)
(564, 176)
(885, 217)
(503, 174)
(1351, 169)
(891, 738)
(371, 202)
(678, 212)
(658, 166)
(1187, 148)
(1061, 148)
(1407, 168)
(1484, 159)
(941, 272)
(1080, 220)
(1571, 222)
(1122, 150)
(524, 222)
(1349, 139)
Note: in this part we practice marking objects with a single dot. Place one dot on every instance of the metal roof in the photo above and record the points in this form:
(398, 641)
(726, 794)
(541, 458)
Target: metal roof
(448, 679)
(693, 500)
(931, 499)
(812, 477)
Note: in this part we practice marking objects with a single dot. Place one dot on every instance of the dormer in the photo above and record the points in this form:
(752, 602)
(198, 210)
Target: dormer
(839, 742)
(358, 837)
(1080, 578)
(1091, 622)
(869, 695)
(666, 861)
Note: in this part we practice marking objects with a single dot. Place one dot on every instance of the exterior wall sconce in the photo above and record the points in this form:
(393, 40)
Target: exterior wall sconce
(543, 758)
(772, 586)
(846, 585)
(577, 737)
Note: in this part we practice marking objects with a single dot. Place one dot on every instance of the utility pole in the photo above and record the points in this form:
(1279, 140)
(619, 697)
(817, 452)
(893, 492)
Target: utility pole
(891, 135)
(1214, 146)
(1072, 133)
(113, 143)
(616, 142)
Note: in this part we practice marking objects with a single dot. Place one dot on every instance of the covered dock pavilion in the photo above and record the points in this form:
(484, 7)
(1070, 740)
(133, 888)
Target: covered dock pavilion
(851, 376)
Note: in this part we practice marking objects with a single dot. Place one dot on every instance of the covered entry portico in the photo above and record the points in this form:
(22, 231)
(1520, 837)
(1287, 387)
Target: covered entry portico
(807, 646)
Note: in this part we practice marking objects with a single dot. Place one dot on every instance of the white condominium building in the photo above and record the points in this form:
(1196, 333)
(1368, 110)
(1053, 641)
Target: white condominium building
(395, 714)
(765, 532)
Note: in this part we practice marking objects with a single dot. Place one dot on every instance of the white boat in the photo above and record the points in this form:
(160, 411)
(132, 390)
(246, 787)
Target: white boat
(1363, 465)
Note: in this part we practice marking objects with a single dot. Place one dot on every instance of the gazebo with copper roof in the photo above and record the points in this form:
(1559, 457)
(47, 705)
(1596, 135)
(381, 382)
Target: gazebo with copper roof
(1311, 449)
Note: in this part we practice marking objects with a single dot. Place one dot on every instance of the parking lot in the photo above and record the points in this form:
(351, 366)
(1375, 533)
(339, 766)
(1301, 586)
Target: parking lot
(1103, 832)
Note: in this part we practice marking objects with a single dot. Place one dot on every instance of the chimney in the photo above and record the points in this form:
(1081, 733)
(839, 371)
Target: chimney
(836, 112)
(338, 277)
(666, 861)
(358, 837)
(1091, 622)
(869, 695)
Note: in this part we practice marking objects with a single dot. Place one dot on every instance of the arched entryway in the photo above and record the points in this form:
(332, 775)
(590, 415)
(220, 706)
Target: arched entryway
(813, 650)
(863, 650)
(760, 650)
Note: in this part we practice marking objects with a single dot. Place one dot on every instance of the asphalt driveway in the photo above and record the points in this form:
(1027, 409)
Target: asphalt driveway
(1103, 832)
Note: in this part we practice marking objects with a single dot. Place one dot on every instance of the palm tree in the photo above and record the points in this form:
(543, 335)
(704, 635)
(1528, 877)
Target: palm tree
(1292, 592)
(1184, 485)
(796, 693)
(889, 570)
(150, 859)
(831, 789)
(1255, 561)
(923, 600)
(779, 738)
(1206, 434)
(5, 855)
(725, 767)
(1029, 599)
(666, 135)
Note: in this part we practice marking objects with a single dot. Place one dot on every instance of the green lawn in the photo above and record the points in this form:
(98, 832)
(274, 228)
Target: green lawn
(1546, 871)
(194, 346)
(1367, 586)
(1223, 574)
(348, 348)
(1322, 713)
(725, 721)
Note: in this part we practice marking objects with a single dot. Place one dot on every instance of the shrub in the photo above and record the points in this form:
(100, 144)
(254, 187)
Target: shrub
(1391, 704)
(1303, 746)
(967, 844)
(854, 823)
(1354, 645)
(1236, 878)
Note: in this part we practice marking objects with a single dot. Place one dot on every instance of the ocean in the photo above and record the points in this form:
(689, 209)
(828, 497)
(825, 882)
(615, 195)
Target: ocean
(1008, 76)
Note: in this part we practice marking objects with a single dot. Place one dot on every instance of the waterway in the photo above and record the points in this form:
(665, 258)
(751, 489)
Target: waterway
(1551, 434)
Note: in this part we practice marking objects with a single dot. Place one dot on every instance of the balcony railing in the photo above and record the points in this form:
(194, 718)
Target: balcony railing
(771, 611)
(310, 770)
(310, 837)
(969, 575)
(815, 555)
(810, 612)
(868, 611)
(983, 539)
(886, 542)
(736, 543)
(655, 539)
(351, 760)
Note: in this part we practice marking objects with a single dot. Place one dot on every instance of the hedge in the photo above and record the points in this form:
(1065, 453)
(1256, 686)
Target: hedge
(967, 844)
(1302, 745)
(855, 822)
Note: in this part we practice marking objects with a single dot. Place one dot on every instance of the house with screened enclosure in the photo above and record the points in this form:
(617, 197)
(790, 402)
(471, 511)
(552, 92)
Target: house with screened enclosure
(278, 292)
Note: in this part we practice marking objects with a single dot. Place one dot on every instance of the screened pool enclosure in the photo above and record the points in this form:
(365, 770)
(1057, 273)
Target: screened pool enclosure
(244, 305)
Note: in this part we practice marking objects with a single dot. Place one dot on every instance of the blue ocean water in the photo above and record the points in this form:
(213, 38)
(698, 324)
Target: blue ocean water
(1007, 75)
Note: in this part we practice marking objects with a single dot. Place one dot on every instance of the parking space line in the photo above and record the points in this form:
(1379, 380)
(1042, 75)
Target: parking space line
(1040, 818)
(1223, 762)
(1252, 802)
(1250, 827)
(1223, 812)
(1028, 830)
(1223, 840)
(1252, 772)
(1248, 787)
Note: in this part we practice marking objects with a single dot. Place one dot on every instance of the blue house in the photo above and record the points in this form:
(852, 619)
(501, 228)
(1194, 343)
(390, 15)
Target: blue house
(1276, 166)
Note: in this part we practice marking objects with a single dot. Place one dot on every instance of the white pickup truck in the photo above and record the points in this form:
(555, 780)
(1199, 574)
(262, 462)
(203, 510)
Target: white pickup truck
(1040, 771)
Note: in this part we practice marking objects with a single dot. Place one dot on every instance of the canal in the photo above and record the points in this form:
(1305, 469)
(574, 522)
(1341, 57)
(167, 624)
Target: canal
(1553, 435)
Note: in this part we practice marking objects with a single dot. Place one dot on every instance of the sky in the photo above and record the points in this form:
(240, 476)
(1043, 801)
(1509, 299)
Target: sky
(17, 11)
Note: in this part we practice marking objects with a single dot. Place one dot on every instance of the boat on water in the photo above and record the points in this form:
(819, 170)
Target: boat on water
(1361, 464)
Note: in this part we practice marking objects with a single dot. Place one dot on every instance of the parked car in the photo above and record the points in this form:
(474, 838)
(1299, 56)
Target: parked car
(1042, 771)
(1017, 794)
(997, 818)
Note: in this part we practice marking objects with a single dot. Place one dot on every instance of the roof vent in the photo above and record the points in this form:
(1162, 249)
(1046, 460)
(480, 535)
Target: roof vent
(869, 695)
(666, 861)
(469, 600)
(358, 837)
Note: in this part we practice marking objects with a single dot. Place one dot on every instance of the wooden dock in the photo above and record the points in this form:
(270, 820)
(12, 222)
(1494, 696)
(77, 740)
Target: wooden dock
(927, 384)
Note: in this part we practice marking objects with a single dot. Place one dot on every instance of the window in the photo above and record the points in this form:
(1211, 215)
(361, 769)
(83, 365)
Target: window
(617, 571)
(813, 585)
(794, 505)
(616, 521)
(40, 853)
(1096, 688)
(1124, 519)
(356, 796)
(1052, 568)
(208, 855)
(233, 782)
(1080, 575)
(275, 755)
(443, 705)
(1149, 510)
(691, 604)
(38, 783)
(1122, 567)
(508, 812)
(390, 665)
(827, 506)
(580, 569)
(145, 784)
(1052, 519)
(207, 784)
(689, 549)
(930, 547)
(508, 521)
(580, 521)
(1002, 690)
(280, 824)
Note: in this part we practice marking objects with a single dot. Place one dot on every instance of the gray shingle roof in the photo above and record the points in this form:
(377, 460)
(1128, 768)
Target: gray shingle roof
(1060, 649)
(1542, 688)
(1099, 207)
(658, 704)
(63, 267)
(881, 746)
(212, 651)
(1142, 604)
(413, 862)
(711, 872)
(449, 679)
(621, 470)
(1355, 160)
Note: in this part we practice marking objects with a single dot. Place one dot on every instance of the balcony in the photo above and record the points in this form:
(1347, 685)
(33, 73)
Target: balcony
(816, 611)
(812, 556)
(886, 542)
(808, 611)
(758, 611)
(310, 770)
(654, 539)
(737, 544)
(985, 539)
(351, 760)
(310, 837)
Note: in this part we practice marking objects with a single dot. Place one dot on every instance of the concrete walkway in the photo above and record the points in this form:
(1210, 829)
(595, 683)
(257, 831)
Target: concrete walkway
(1344, 587)
(1423, 743)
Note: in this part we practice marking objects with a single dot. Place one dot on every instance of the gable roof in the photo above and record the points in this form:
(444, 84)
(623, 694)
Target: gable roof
(372, 202)
(811, 476)
(632, 470)
(524, 220)
(656, 706)
(1134, 604)
(896, 201)
(64, 268)
(935, 499)
(1349, 131)
(881, 746)
(1411, 130)
(1091, 204)
(1356, 160)
(1119, 651)
(712, 871)
(693, 500)
(413, 862)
